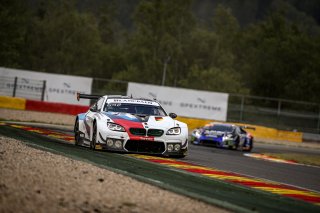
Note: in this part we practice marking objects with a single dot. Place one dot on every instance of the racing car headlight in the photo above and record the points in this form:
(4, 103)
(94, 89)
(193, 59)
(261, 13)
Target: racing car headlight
(118, 144)
(170, 147)
(196, 133)
(110, 142)
(115, 127)
(177, 147)
(174, 131)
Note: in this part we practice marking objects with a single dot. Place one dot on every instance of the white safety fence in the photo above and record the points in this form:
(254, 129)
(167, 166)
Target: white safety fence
(58, 88)
(22, 87)
(185, 102)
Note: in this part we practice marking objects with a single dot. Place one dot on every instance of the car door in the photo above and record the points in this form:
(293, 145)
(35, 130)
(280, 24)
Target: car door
(242, 135)
(88, 121)
(91, 115)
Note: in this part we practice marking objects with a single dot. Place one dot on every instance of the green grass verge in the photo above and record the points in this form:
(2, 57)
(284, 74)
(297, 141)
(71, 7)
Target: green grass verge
(299, 158)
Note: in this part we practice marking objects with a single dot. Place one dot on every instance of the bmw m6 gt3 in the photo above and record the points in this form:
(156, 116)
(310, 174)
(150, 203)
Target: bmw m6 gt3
(135, 125)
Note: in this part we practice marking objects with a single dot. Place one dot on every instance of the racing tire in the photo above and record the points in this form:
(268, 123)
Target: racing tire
(76, 133)
(231, 147)
(236, 146)
(193, 143)
(248, 150)
(94, 137)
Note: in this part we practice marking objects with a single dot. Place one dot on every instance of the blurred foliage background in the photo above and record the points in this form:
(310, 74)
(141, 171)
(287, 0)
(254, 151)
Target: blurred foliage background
(266, 48)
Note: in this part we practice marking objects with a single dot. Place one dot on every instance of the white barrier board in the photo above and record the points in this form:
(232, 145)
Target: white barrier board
(184, 102)
(59, 88)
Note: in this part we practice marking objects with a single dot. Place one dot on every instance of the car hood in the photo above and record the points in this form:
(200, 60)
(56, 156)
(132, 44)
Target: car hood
(214, 133)
(128, 120)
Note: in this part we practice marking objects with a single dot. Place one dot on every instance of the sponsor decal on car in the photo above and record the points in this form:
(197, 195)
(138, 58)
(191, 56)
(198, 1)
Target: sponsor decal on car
(133, 101)
(158, 118)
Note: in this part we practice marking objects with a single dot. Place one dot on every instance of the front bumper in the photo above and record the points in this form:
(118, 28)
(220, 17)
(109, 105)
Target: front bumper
(110, 140)
(214, 141)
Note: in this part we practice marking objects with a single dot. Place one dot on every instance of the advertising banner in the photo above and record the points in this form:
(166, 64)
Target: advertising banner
(184, 102)
(59, 88)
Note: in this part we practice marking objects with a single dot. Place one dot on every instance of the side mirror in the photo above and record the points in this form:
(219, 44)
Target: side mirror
(93, 108)
(173, 115)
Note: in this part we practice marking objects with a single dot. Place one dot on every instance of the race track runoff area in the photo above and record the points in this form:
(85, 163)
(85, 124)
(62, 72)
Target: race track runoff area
(226, 189)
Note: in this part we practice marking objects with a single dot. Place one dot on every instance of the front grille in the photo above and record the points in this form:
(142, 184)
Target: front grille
(150, 147)
(210, 142)
(155, 132)
(138, 131)
(143, 132)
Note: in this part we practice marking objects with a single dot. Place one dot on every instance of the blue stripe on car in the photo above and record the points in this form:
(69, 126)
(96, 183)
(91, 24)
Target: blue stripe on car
(121, 116)
(81, 116)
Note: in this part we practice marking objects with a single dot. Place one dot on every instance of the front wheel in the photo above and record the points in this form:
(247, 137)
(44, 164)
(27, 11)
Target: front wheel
(195, 142)
(76, 133)
(94, 137)
(249, 147)
(236, 144)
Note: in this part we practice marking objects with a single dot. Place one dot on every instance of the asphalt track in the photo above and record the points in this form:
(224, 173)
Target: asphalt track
(304, 176)
(234, 197)
(228, 160)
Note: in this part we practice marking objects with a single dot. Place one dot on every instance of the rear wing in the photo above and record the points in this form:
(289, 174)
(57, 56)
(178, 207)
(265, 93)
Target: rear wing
(248, 127)
(86, 96)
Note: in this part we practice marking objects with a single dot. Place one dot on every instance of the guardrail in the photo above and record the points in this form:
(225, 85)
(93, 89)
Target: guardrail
(22, 87)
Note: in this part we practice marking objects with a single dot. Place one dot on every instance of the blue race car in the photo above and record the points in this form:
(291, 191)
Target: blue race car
(223, 135)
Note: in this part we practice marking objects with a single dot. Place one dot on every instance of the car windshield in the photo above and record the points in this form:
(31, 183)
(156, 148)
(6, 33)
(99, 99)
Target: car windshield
(139, 109)
(220, 128)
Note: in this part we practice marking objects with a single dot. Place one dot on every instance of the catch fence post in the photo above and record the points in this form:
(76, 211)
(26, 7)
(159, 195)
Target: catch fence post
(279, 111)
(241, 107)
(43, 90)
(318, 127)
(15, 86)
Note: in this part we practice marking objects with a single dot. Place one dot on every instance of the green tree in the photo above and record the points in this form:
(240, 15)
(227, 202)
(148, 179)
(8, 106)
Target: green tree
(62, 40)
(263, 54)
(211, 56)
(213, 79)
(113, 39)
(13, 19)
(278, 59)
(161, 30)
(227, 29)
(306, 81)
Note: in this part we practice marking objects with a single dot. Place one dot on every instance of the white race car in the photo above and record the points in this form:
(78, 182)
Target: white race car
(135, 125)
